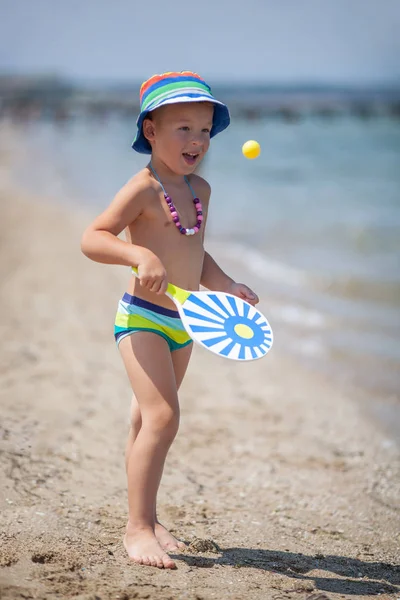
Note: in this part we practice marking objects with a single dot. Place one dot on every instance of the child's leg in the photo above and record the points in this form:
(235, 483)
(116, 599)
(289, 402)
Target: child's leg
(150, 369)
(135, 425)
(180, 361)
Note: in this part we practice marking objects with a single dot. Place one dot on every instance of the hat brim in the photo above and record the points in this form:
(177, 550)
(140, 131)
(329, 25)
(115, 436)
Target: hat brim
(221, 118)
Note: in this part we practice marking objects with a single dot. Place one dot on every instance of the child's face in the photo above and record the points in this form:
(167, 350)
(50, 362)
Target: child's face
(180, 134)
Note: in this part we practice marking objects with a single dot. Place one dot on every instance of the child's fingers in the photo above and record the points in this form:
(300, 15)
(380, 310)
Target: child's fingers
(255, 297)
(250, 296)
(163, 287)
(244, 292)
(145, 282)
(157, 285)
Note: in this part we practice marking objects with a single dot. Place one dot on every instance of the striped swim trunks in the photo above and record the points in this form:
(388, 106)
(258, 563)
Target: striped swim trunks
(135, 314)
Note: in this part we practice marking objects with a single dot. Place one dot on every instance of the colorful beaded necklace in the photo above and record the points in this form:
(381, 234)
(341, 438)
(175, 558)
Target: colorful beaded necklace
(174, 212)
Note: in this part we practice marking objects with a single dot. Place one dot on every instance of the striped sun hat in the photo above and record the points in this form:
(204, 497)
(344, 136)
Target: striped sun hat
(172, 88)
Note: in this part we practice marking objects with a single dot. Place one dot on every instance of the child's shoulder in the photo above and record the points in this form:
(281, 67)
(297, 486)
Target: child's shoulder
(201, 186)
(140, 184)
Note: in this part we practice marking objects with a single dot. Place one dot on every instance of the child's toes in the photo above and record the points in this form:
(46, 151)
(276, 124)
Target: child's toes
(168, 562)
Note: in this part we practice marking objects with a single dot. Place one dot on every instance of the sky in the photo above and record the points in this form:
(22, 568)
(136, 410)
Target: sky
(282, 41)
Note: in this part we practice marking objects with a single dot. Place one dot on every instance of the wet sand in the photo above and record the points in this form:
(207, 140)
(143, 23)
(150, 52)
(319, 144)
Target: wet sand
(280, 483)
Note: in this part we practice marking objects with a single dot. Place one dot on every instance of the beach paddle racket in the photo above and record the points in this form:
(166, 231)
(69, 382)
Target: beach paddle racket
(222, 323)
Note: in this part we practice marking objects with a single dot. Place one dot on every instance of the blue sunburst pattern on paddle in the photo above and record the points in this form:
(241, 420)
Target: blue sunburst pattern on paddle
(227, 326)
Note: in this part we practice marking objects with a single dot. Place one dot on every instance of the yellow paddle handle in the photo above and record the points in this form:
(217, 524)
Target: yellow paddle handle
(173, 291)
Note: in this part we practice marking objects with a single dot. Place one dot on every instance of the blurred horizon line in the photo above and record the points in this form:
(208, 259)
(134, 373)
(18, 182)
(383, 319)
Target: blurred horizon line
(230, 85)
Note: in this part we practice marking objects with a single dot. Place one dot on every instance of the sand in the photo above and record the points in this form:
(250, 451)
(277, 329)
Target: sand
(280, 482)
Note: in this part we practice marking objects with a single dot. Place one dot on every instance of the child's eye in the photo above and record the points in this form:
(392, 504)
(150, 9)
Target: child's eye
(206, 130)
(184, 128)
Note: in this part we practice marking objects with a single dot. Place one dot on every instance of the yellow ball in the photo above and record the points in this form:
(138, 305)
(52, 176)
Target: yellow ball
(251, 149)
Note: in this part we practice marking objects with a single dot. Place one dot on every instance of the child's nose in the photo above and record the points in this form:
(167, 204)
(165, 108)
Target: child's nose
(196, 139)
(196, 143)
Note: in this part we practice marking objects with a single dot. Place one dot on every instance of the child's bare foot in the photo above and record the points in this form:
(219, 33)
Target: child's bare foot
(165, 538)
(144, 549)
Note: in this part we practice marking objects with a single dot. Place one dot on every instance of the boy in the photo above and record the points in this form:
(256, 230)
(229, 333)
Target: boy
(164, 211)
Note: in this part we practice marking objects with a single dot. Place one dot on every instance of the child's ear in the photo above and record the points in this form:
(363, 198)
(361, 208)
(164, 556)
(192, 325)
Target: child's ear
(149, 130)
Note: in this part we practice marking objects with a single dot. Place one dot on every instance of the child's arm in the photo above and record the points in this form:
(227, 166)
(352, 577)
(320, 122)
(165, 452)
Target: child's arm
(214, 278)
(101, 244)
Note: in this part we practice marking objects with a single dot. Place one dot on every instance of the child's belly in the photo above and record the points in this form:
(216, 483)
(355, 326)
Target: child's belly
(182, 259)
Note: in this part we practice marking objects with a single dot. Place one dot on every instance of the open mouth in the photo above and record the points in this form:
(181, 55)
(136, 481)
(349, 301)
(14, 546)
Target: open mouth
(190, 157)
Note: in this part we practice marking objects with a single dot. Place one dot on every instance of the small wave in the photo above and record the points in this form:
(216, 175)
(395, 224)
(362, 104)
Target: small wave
(297, 315)
(386, 292)
(261, 266)
(312, 347)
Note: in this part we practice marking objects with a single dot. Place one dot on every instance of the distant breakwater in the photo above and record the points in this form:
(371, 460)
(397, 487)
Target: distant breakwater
(50, 98)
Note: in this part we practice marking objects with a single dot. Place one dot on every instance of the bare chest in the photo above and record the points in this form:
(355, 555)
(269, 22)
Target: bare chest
(156, 230)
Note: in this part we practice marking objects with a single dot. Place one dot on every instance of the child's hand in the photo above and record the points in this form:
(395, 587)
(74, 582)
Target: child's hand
(242, 291)
(152, 275)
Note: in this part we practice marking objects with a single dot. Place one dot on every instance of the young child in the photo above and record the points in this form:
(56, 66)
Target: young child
(163, 209)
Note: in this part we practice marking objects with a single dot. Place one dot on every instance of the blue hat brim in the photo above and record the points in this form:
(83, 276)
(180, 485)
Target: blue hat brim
(221, 121)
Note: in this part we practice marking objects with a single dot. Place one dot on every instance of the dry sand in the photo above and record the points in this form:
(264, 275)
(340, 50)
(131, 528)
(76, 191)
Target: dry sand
(295, 486)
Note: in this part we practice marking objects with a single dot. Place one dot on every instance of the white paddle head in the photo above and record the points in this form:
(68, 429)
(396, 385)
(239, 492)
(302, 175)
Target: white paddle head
(226, 325)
